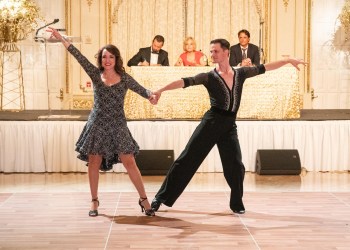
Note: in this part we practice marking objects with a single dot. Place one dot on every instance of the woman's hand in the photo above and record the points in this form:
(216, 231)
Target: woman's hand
(58, 36)
(55, 33)
(153, 99)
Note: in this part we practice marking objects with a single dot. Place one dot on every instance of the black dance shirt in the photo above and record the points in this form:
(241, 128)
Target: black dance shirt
(221, 97)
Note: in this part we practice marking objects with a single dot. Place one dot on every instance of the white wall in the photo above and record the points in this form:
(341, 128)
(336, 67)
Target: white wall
(36, 59)
(330, 61)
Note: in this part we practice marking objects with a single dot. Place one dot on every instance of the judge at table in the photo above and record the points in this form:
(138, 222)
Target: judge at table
(151, 56)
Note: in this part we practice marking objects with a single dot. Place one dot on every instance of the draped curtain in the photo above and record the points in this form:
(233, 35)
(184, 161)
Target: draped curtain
(136, 22)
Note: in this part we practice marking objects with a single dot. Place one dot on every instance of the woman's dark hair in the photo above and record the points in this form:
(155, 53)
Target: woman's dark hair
(118, 59)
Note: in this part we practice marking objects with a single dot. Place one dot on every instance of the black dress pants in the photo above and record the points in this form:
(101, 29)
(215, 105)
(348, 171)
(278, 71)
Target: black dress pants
(214, 129)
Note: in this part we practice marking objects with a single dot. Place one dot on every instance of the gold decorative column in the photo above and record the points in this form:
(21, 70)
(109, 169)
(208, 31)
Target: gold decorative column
(11, 78)
(17, 20)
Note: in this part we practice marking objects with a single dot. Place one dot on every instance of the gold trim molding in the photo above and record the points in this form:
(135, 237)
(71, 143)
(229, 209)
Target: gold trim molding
(83, 102)
(116, 7)
(267, 11)
(109, 20)
(184, 19)
(67, 16)
(308, 47)
(89, 2)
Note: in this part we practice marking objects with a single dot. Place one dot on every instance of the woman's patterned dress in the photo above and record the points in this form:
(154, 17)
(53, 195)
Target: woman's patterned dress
(106, 132)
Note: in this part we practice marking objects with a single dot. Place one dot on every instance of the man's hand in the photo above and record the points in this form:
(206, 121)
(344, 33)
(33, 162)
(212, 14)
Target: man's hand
(157, 94)
(295, 62)
(280, 63)
(246, 62)
(153, 99)
(144, 63)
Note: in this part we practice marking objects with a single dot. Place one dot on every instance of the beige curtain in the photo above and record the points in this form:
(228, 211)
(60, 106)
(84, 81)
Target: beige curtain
(136, 22)
(210, 19)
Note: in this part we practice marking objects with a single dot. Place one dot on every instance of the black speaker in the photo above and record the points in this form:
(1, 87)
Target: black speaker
(154, 162)
(278, 161)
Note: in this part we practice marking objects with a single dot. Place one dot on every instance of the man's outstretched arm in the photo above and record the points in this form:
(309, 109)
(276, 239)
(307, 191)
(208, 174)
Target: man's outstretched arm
(280, 63)
(173, 85)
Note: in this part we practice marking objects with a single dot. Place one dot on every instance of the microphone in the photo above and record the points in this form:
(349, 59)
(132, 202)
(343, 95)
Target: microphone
(56, 20)
(205, 58)
(263, 55)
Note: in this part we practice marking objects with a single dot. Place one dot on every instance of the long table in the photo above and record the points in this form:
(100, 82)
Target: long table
(273, 95)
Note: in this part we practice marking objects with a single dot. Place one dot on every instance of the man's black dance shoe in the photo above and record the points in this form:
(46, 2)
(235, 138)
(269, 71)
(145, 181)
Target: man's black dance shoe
(238, 211)
(155, 204)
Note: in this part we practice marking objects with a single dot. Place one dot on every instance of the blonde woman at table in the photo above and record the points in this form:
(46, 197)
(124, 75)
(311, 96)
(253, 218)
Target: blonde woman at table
(106, 139)
(190, 56)
(217, 127)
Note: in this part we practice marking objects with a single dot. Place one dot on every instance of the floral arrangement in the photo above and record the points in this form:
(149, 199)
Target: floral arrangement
(344, 16)
(18, 18)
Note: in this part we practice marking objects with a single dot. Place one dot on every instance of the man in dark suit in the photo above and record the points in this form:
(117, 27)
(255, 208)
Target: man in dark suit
(244, 53)
(151, 56)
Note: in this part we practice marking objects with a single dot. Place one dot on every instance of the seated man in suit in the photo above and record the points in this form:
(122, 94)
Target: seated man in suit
(151, 56)
(244, 53)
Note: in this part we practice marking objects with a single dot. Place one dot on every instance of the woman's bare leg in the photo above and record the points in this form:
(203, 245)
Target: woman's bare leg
(129, 163)
(93, 171)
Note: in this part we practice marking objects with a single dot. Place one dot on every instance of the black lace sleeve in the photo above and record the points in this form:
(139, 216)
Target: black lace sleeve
(90, 69)
(201, 78)
(132, 84)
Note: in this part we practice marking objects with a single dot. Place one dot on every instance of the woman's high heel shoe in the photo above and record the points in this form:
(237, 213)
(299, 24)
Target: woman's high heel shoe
(94, 213)
(148, 212)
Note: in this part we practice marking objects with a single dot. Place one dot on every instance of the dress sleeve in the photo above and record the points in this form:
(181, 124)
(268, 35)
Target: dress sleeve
(132, 84)
(201, 78)
(90, 69)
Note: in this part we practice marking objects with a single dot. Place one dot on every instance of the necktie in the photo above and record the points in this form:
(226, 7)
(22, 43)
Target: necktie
(244, 55)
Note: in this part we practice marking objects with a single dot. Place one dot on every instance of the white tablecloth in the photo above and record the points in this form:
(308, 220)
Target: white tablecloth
(48, 146)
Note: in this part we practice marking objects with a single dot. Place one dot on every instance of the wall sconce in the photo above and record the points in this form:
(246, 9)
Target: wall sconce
(285, 2)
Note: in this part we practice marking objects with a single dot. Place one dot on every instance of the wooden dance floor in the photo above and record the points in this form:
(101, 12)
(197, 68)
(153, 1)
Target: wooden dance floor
(49, 211)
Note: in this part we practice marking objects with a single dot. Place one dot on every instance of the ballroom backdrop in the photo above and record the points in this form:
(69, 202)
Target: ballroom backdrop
(135, 22)
(131, 24)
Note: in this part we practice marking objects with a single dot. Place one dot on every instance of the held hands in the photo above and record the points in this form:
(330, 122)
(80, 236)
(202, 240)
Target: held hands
(154, 98)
